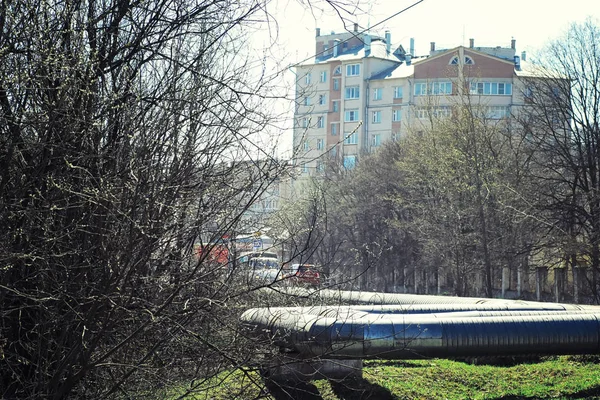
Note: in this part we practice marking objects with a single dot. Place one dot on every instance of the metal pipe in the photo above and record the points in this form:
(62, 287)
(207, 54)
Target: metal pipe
(430, 330)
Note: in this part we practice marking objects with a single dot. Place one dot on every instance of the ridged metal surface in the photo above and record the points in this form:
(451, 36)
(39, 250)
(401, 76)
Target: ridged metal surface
(430, 330)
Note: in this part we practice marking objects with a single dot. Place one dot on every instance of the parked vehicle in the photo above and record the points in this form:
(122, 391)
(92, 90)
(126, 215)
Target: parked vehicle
(260, 266)
(303, 275)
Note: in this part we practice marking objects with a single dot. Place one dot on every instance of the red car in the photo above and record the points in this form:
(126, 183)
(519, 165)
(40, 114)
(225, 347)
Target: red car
(305, 274)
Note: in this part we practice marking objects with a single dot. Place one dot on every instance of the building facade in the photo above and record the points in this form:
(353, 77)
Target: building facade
(360, 92)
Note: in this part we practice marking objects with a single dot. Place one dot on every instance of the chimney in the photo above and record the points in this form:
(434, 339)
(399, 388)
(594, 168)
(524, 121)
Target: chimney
(318, 32)
(388, 42)
(367, 41)
(513, 44)
(355, 27)
(471, 43)
(412, 46)
(524, 56)
(432, 48)
(336, 44)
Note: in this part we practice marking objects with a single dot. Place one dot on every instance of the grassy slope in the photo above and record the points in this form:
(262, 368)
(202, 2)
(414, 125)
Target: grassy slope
(559, 377)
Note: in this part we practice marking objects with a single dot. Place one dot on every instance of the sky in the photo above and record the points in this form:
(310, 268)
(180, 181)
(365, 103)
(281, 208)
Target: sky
(448, 23)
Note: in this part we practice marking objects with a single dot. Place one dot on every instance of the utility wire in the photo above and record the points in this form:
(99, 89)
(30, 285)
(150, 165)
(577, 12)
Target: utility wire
(356, 34)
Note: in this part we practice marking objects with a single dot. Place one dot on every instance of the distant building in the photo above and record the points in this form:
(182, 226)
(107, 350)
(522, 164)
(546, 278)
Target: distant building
(360, 91)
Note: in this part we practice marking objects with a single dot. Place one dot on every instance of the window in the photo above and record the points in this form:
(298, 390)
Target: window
(491, 88)
(304, 122)
(351, 115)
(323, 76)
(352, 92)
(351, 138)
(335, 129)
(320, 166)
(420, 89)
(336, 83)
(377, 93)
(433, 88)
(398, 92)
(436, 112)
(307, 101)
(305, 146)
(336, 105)
(468, 61)
(307, 78)
(352, 69)
(376, 117)
(395, 136)
(376, 140)
(319, 144)
(396, 115)
(305, 169)
(337, 70)
(349, 162)
(441, 88)
(320, 122)
(497, 112)
(322, 99)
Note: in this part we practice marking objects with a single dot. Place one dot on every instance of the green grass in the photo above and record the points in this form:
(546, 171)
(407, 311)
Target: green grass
(551, 378)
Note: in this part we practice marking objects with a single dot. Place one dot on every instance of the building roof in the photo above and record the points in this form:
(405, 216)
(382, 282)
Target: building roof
(378, 49)
(396, 71)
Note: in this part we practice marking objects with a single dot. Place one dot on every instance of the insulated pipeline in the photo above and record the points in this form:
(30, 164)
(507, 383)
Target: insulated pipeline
(437, 330)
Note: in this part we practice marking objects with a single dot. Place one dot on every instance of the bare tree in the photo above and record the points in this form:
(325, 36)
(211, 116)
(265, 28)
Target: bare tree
(126, 137)
(562, 125)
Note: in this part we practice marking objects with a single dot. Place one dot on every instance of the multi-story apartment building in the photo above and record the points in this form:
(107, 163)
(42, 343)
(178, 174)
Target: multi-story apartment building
(360, 92)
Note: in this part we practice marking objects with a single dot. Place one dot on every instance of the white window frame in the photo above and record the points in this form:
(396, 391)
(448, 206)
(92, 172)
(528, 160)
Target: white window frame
(351, 116)
(306, 145)
(335, 128)
(337, 70)
(306, 101)
(376, 117)
(351, 138)
(490, 88)
(319, 144)
(398, 92)
(497, 112)
(307, 78)
(320, 122)
(335, 106)
(352, 92)
(396, 115)
(377, 94)
(353, 70)
(433, 88)
(376, 140)
(323, 77)
(322, 99)
(336, 84)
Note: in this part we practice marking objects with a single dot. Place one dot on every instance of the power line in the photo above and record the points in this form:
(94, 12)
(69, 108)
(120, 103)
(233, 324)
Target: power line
(356, 34)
